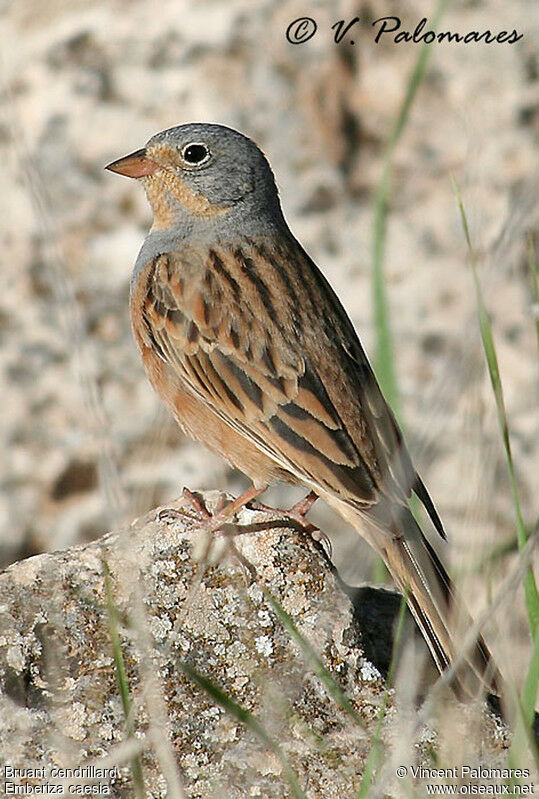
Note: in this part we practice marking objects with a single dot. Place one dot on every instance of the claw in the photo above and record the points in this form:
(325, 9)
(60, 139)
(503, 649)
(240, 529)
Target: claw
(192, 501)
(170, 513)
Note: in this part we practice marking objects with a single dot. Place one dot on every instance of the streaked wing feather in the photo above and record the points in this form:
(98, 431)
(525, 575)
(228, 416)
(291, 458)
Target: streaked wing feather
(380, 439)
(259, 386)
(261, 338)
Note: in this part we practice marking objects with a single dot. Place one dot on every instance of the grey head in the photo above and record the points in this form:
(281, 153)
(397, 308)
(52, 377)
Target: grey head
(204, 177)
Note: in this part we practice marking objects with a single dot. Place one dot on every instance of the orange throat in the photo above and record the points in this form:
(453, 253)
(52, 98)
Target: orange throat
(164, 190)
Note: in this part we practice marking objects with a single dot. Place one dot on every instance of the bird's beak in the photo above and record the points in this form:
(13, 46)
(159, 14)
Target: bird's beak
(134, 165)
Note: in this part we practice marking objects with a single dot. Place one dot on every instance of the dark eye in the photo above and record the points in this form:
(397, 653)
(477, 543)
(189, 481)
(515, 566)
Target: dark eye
(195, 153)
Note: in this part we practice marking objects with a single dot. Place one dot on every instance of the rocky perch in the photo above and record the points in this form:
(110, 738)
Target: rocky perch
(225, 698)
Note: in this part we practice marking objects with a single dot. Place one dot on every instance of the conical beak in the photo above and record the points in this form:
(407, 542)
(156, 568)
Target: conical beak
(134, 165)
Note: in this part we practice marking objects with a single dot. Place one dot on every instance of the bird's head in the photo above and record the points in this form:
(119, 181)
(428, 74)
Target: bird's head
(204, 170)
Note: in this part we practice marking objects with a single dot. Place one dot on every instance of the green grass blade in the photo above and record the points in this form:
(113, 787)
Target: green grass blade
(526, 705)
(313, 660)
(530, 588)
(246, 718)
(376, 754)
(123, 683)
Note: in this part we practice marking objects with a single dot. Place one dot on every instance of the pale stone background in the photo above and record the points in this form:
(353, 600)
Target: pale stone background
(85, 440)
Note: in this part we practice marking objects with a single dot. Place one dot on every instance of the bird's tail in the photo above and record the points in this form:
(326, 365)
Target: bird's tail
(419, 574)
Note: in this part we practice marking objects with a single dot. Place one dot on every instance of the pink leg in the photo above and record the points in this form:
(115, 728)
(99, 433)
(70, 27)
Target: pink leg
(225, 514)
(302, 508)
(197, 504)
(229, 511)
(297, 512)
(212, 523)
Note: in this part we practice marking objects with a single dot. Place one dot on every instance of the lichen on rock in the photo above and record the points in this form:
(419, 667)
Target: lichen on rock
(60, 702)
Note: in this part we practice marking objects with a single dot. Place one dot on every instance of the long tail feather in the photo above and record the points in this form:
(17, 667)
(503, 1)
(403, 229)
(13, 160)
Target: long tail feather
(419, 573)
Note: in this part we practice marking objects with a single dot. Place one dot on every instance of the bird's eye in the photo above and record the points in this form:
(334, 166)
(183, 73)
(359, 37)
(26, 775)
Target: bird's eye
(195, 154)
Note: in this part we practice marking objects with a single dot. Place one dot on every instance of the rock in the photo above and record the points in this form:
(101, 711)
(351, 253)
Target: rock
(180, 605)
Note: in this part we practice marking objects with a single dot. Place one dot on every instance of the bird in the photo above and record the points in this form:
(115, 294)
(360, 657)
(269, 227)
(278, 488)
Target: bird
(249, 347)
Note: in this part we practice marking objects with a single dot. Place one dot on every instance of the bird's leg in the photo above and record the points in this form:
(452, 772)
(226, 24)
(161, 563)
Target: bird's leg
(213, 522)
(229, 511)
(297, 512)
(197, 504)
(300, 510)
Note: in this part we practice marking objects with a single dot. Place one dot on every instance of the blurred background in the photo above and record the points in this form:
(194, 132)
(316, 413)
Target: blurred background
(86, 443)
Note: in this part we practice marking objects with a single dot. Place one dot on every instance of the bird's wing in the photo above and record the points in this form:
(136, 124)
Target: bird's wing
(262, 340)
(357, 396)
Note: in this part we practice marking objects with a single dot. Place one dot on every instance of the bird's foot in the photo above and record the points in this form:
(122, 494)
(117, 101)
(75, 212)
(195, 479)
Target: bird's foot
(224, 513)
(211, 522)
(197, 504)
(193, 506)
(214, 526)
(298, 513)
